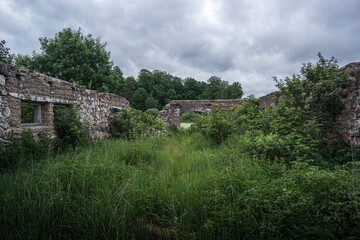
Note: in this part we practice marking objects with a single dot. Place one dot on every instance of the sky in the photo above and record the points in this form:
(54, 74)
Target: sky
(246, 41)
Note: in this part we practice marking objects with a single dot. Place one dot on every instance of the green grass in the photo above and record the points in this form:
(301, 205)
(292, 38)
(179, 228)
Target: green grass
(176, 187)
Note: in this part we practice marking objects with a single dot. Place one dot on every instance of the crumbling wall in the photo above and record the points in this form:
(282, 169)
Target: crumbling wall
(172, 111)
(18, 85)
(347, 123)
(267, 100)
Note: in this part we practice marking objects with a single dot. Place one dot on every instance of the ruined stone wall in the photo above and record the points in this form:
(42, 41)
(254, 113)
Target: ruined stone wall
(347, 123)
(267, 100)
(18, 85)
(172, 111)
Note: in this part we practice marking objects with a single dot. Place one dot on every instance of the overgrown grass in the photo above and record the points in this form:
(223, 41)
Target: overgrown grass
(176, 187)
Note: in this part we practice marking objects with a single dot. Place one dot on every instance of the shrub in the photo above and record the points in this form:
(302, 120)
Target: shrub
(189, 117)
(218, 125)
(132, 123)
(153, 112)
(70, 130)
(315, 87)
(24, 148)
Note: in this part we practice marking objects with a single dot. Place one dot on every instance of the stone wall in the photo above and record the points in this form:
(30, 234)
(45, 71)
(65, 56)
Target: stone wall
(172, 111)
(267, 100)
(18, 85)
(347, 123)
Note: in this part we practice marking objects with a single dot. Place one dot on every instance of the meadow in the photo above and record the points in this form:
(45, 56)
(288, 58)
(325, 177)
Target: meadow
(180, 186)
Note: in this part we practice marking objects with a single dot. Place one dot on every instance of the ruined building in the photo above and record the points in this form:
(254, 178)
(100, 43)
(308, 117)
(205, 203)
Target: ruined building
(22, 88)
(25, 89)
(347, 123)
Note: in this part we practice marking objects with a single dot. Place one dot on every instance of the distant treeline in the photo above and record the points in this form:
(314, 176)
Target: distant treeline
(81, 59)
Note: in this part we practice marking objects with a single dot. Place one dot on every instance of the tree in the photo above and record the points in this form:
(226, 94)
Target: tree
(177, 85)
(76, 58)
(130, 86)
(138, 100)
(151, 102)
(216, 88)
(234, 91)
(145, 80)
(5, 55)
(192, 89)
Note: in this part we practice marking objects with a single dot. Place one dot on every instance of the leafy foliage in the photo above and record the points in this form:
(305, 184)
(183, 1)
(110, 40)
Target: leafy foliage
(295, 129)
(24, 148)
(153, 112)
(137, 100)
(189, 117)
(219, 89)
(218, 126)
(132, 123)
(76, 58)
(70, 130)
(316, 88)
(5, 55)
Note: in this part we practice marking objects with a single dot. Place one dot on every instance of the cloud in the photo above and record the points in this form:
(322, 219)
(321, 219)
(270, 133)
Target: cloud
(237, 40)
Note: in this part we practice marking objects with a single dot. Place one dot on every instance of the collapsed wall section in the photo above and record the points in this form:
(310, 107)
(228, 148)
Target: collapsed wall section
(19, 87)
(347, 123)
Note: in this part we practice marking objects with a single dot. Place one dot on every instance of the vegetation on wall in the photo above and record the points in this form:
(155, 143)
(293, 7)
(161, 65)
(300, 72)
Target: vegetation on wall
(296, 128)
(28, 148)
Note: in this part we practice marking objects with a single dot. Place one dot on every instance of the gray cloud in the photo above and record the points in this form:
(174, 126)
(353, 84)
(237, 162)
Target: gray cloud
(237, 40)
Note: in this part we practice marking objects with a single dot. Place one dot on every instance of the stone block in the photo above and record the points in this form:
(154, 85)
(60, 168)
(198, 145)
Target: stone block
(3, 69)
(2, 80)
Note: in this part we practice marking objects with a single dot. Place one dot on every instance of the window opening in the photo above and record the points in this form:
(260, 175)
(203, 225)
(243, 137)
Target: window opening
(30, 113)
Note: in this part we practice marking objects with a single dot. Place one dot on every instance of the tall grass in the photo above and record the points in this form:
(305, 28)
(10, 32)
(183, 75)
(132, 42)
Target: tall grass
(175, 187)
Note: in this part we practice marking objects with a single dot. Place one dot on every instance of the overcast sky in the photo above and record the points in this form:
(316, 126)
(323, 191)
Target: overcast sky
(248, 41)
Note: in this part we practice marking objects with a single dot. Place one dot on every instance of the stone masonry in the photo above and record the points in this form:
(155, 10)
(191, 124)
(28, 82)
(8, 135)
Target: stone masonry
(348, 121)
(18, 86)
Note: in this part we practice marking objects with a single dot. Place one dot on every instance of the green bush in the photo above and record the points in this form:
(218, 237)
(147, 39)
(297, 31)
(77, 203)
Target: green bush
(153, 112)
(218, 125)
(24, 148)
(189, 117)
(132, 123)
(70, 130)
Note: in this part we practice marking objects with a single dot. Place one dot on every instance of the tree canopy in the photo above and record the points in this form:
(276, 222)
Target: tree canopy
(5, 55)
(76, 58)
